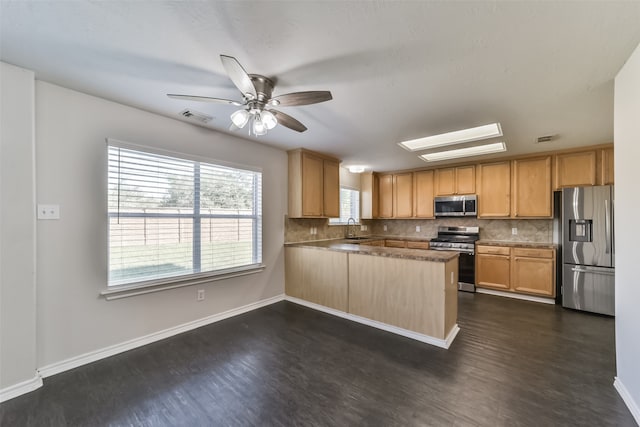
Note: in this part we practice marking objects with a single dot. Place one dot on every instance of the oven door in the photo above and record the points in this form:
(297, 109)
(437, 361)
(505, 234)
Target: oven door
(466, 269)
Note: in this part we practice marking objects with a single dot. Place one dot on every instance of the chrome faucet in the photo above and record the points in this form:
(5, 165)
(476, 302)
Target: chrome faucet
(351, 231)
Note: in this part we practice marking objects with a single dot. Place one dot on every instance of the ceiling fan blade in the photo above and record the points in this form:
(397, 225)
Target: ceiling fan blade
(204, 99)
(288, 121)
(238, 75)
(302, 98)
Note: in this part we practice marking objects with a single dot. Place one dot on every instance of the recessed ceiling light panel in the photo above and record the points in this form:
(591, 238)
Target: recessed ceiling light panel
(492, 130)
(478, 150)
(356, 168)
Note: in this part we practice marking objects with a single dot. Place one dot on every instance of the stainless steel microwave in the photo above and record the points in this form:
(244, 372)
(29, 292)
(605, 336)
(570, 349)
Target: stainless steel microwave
(456, 205)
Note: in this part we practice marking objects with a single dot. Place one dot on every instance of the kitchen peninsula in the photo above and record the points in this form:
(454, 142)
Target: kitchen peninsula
(411, 292)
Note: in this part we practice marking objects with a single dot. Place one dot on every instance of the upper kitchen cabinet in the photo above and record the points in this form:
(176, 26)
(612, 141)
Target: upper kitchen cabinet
(423, 194)
(385, 196)
(456, 180)
(369, 189)
(606, 166)
(575, 169)
(494, 190)
(531, 188)
(403, 195)
(314, 185)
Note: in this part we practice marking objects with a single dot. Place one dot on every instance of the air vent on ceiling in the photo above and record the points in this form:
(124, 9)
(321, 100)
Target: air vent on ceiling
(546, 138)
(195, 115)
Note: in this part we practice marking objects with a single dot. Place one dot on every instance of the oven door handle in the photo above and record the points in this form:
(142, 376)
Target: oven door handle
(463, 251)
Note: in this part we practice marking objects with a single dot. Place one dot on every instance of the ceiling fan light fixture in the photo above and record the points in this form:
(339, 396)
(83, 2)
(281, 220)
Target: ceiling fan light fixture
(258, 126)
(269, 119)
(240, 118)
(477, 133)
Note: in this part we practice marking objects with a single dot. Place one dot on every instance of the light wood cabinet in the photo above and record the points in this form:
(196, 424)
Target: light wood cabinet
(516, 269)
(403, 195)
(369, 188)
(411, 244)
(606, 166)
(493, 267)
(317, 276)
(494, 190)
(392, 243)
(575, 169)
(531, 188)
(314, 185)
(385, 201)
(456, 180)
(423, 194)
(533, 271)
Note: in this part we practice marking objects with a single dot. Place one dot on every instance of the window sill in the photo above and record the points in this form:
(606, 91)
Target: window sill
(124, 291)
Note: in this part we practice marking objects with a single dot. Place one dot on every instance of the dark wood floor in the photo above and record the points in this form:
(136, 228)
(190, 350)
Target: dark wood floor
(514, 363)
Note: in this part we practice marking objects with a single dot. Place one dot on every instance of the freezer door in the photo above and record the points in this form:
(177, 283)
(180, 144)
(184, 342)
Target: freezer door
(589, 288)
(587, 226)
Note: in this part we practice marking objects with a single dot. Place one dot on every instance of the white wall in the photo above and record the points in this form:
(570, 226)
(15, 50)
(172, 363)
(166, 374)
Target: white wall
(71, 128)
(348, 179)
(17, 228)
(627, 175)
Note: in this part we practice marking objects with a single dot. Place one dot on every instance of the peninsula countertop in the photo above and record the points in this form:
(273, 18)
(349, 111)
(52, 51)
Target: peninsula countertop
(361, 248)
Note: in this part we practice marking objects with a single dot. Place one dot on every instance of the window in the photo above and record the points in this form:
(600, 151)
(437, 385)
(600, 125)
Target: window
(349, 206)
(174, 218)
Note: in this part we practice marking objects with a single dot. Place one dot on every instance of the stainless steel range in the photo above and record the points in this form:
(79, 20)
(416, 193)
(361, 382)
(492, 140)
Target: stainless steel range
(462, 240)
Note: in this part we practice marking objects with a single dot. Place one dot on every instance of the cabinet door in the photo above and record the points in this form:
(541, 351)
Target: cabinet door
(606, 166)
(466, 180)
(575, 169)
(389, 243)
(417, 245)
(445, 181)
(494, 190)
(368, 195)
(403, 195)
(531, 188)
(423, 199)
(331, 189)
(533, 275)
(385, 205)
(312, 185)
(493, 271)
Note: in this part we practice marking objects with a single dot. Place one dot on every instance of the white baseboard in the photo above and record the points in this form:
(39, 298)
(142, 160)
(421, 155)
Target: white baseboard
(20, 388)
(628, 400)
(83, 359)
(516, 296)
(443, 343)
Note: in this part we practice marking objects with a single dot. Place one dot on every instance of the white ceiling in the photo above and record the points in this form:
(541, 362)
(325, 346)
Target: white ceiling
(397, 70)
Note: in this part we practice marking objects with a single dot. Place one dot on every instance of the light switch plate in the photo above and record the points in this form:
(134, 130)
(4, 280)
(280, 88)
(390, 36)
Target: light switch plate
(417, 228)
(514, 231)
(48, 211)
(384, 228)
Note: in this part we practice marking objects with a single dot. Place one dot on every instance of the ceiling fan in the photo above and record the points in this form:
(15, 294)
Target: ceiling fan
(257, 100)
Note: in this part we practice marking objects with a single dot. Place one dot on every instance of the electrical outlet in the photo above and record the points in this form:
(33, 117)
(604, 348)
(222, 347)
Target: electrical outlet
(384, 228)
(452, 277)
(363, 228)
(311, 230)
(417, 228)
(48, 211)
(514, 231)
(200, 295)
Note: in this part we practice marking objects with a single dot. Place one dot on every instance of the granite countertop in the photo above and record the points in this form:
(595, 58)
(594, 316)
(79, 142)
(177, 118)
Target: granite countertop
(536, 245)
(345, 245)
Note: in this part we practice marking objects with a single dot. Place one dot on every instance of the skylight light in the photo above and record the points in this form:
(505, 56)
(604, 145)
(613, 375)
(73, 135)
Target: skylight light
(478, 150)
(456, 137)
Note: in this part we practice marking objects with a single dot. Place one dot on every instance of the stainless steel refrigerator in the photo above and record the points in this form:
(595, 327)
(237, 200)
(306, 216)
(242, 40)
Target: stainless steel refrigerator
(588, 275)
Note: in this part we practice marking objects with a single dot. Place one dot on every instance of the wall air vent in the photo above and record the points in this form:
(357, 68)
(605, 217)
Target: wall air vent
(546, 138)
(195, 115)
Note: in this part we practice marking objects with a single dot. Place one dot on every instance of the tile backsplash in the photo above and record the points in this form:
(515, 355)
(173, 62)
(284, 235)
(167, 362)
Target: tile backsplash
(529, 230)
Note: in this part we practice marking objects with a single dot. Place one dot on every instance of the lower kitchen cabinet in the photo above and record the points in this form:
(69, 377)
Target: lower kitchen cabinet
(533, 271)
(516, 269)
(493, 271)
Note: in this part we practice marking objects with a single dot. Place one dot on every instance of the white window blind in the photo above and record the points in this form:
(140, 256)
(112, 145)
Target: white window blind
(349, 206)
(172, 217)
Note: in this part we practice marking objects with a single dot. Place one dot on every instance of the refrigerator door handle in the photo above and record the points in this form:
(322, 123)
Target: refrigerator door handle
(607, 225)
(608, 272)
